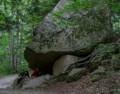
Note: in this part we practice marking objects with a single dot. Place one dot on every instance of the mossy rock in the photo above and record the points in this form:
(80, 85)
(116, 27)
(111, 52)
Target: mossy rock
(76, 74)
(116, 61)
(77, 34)
(107, 55)
(98, 74)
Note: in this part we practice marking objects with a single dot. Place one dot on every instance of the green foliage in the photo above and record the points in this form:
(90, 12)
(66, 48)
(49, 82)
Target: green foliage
(19, 17)
(4, 68)
(115, 9)
(76, 5)
(22, 67)
(38, 9)
(114, 5)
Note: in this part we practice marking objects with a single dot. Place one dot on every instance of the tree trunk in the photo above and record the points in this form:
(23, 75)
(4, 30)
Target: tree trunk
(12, 51)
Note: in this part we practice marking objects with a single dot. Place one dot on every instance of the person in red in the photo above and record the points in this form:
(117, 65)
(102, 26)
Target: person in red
(35, 73)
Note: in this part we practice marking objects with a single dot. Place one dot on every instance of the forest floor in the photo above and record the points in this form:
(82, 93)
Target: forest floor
(107, 85)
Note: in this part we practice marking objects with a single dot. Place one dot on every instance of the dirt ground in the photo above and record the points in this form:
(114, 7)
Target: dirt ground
(108, 85)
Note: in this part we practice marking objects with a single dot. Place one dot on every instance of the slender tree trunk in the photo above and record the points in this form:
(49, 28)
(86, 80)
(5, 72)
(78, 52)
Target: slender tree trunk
(18, 37)
(12, 51)
(18, 45)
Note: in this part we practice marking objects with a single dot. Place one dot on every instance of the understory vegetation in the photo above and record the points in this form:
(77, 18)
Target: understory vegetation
(18, 18)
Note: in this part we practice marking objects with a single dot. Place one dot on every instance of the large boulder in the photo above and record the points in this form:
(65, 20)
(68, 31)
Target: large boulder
(68, 32)
(61, 65)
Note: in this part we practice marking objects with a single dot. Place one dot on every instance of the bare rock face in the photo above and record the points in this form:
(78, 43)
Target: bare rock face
(70, 32)
(63, 63)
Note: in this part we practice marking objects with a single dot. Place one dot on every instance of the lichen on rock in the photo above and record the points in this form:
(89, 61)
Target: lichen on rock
(77, 34)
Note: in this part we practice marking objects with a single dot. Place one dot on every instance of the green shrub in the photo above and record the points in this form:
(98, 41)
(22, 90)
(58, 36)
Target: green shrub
(5, 68)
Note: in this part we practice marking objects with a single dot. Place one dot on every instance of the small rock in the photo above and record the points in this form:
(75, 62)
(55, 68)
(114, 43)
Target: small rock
(98, 74)
(76, 74)
(95, 78)
(36, 82)
(100, 70)
(76, 70)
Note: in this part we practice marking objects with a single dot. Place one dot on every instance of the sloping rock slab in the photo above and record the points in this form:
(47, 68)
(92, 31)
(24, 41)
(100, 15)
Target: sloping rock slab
(75, 34)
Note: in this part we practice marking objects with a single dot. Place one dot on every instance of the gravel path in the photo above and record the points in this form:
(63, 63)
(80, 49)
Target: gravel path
(105, 85)
(3, 91)
(6, 82)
